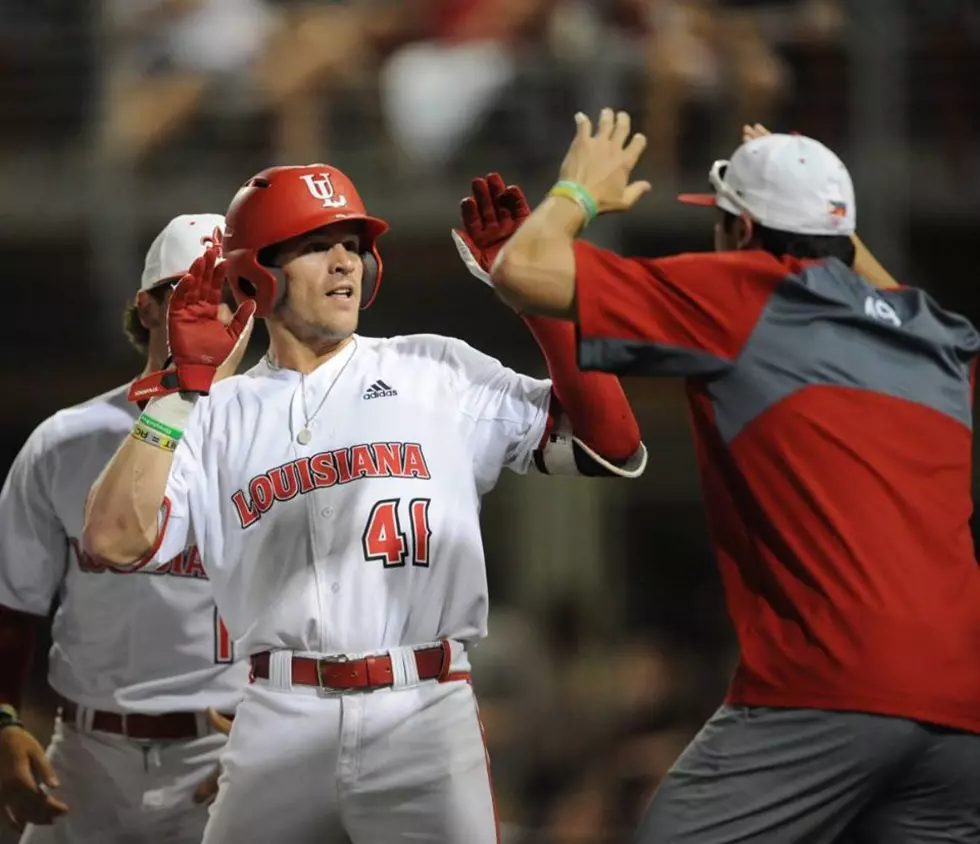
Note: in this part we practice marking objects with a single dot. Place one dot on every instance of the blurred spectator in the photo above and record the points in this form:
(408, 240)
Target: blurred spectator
(435, 90)
(704, 51)
(164, 54)
(45, 72)
(696, 51)
(604, 796)
(946, 51)
(325, 47)
(173, 56)
(624, 723)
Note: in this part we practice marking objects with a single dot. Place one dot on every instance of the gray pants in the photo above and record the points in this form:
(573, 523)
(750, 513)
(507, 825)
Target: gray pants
(755, 775)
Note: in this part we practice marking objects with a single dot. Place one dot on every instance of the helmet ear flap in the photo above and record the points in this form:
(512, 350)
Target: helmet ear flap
(279, 275)
(371, 277)
(251, 280)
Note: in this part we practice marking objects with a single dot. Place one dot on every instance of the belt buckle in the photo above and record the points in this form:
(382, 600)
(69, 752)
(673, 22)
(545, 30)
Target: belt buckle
(340, 659)
(124, 723)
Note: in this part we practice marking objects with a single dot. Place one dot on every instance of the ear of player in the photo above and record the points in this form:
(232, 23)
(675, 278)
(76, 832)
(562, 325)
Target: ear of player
(199, 342)
(490, 215)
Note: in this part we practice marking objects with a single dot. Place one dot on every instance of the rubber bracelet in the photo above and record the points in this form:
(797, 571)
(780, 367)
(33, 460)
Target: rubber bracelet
(579, 195)
(9, 717)
(151, 437)
(159, 427)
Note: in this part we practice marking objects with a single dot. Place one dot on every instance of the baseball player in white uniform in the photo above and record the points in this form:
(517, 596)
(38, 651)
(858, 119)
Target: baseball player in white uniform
(334, 490)
(136, 660)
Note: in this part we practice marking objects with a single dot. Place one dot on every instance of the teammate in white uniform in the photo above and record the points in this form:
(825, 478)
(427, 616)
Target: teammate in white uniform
(334, 490)
(136, 660)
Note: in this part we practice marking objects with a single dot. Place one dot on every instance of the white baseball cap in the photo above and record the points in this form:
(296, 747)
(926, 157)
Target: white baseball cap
(182, 240)
(790, 183)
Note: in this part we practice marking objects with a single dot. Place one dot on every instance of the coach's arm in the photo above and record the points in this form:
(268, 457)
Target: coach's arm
(535, 271)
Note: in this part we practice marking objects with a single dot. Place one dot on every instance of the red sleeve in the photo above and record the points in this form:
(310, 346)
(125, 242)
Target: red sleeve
(683, 315)
(594, 402)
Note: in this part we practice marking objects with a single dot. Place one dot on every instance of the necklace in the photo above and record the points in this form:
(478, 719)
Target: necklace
(305, 434)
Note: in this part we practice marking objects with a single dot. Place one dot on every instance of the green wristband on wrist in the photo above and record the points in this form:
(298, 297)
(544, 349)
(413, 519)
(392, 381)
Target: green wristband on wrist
(579, 195)
(9, 717)
(159, 427)
(148, 435)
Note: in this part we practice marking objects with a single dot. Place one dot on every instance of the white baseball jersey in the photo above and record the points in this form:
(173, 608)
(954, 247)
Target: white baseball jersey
(367, 536)
(148, 642)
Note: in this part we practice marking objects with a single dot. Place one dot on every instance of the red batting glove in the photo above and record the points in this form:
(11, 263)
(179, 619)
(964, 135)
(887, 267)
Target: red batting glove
(199, 343)
(490, 215)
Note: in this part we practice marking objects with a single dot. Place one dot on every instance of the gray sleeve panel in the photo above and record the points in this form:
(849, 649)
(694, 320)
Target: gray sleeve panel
(633, 357)
(816, 332)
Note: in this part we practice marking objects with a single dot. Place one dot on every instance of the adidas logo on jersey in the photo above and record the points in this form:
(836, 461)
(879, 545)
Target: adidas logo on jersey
(379, 390)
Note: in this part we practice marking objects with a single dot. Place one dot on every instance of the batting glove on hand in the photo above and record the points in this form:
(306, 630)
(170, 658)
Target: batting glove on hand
(491, 214)
(199, 342)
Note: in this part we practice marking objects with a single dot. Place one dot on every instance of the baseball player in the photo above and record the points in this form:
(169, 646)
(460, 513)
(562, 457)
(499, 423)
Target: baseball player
(832, 418)
(135, 660)
(334, 491)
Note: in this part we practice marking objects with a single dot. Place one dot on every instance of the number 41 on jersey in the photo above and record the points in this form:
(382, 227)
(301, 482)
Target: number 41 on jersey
(386, 540)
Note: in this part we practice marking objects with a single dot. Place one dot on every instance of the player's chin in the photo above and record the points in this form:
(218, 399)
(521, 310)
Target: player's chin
(341, 322)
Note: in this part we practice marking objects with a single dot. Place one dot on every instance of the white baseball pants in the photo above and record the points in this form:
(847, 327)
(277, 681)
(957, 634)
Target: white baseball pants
(306, 766)
(124, 791)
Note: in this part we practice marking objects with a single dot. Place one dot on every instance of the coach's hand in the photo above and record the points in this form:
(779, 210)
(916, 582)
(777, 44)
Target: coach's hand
(752, 131)
(490, 214)
(207, 789)
(25, 773)
(602, 162)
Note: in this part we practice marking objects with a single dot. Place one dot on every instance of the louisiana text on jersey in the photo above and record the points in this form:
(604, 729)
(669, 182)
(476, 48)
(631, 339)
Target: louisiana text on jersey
(326, 469)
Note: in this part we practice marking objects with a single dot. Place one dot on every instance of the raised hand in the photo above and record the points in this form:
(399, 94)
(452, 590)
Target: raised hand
(752, 131)
(200, 342)
(602, 162)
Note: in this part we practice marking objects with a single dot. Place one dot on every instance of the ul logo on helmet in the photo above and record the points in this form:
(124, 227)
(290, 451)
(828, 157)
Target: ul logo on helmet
(322, 188)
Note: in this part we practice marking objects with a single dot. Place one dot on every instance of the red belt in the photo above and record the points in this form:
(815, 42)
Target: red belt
(369, 672)
(170, 726)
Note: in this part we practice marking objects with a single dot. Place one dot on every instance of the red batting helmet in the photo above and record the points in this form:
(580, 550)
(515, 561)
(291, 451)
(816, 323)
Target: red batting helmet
(284, 202)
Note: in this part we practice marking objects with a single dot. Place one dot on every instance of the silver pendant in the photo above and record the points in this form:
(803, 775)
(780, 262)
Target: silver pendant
(304, 436)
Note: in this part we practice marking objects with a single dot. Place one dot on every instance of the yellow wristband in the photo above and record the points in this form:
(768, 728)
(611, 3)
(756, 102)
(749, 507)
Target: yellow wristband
(580, 196)
(147, 435)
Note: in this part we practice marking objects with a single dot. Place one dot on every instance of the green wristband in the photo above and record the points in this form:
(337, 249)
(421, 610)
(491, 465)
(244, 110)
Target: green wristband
(579, 195)
(9, 717)
(159, 427)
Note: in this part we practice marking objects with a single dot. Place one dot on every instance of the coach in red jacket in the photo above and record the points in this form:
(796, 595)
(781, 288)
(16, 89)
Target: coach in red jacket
(832, 415)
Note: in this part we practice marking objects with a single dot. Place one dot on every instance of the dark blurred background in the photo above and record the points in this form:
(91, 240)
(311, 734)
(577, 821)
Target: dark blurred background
(608, 641)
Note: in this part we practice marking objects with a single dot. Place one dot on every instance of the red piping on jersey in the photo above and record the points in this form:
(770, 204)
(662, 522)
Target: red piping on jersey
(141, 563)
(486, 756)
